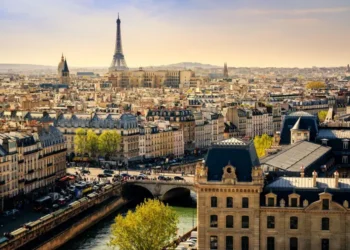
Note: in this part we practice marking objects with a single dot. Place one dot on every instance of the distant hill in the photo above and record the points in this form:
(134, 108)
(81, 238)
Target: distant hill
(189, 65)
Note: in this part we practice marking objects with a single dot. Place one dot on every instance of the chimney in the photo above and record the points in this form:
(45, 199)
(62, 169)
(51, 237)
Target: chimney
(314, 176)
(336, 179)
(302, 174)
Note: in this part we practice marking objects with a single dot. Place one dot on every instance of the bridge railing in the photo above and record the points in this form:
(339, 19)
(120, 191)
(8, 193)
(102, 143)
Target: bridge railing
(162, 182)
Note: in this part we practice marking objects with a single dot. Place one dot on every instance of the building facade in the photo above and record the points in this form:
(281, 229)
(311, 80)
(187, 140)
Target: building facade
(237, 209)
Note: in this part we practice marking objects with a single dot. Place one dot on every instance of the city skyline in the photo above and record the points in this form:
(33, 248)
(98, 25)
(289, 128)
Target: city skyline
(250, 34)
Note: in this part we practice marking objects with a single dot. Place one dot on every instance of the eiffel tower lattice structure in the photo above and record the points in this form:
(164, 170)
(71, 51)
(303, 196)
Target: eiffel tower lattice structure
(118, 62)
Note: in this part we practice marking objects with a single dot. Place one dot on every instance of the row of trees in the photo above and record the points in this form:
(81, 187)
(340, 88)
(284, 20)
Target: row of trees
(88, 142)
(262, 143)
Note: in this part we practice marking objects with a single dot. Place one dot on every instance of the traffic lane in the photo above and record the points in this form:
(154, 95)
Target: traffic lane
(94, 172)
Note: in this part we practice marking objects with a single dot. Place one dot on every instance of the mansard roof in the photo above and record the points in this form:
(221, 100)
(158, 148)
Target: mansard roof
(240, 154)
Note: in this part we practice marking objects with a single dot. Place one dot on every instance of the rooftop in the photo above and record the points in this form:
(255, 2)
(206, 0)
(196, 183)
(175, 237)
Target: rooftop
(307, 183)
(333, 134)
(292, 157)
(231, 141)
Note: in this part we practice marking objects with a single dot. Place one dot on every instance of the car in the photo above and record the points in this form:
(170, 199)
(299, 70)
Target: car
(85, 171)
(107, 174)
(178, 178)
(101, 176)
(125, 175)
(55, 206)
(108, 171)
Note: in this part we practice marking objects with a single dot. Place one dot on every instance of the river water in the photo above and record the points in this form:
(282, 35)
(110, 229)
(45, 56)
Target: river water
(97, 237)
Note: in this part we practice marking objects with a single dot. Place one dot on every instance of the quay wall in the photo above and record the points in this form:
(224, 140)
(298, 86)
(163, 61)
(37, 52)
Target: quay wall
(82, 225)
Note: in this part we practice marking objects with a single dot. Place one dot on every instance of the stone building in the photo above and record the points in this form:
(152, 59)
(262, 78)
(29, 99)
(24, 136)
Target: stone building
(154, 79)
(32, 161)
(125, 124)
(237, 209)
(181, 118)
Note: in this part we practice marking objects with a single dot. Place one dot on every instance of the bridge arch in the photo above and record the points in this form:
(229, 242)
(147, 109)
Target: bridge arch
(132, 191)
(177, 192)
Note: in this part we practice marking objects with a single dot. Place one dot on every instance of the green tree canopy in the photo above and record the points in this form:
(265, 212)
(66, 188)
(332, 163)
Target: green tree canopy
(108, 142)
(153, 225)
(91, 143)
(315, 85)
(322, 115)
(262, 143)
(80, 141)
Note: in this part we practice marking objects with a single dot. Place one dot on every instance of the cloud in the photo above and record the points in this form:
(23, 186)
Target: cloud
(293, 12)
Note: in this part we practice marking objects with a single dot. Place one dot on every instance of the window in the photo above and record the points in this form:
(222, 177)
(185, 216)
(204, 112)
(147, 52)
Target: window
(325, 244)
(345, 144)
(270, 243)
(245, 243)
(229, 242)
(294, 202)
(345, 159)
(293, 222)
(270, 221)
(293, 243)
(245, 202)
(324, 142)
(325, 224)
(229, 221)
(213, 242)
(214, 201)
(271, 202)
(213, 221)
(245, 221)
(229, 202)
(325, 204)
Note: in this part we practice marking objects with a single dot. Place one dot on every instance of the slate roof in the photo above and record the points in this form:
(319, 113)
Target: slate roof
(292, 157)
(242, 155)
(307, 183)
(65, 67)
(333, 134)
(307, 121)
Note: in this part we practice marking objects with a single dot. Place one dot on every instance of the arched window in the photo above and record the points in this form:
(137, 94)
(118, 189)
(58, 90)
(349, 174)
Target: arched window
(229, 202)
(229, 242)
(245, 221)
(293, 243)
(270, 243)
(245, 243)
(229, 221)
(325, 224)
(213, 221)
(293, 222)
(214, 201)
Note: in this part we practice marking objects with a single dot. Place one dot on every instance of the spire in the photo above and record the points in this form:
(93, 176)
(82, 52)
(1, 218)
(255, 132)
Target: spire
(225, 71)
(62, 58)
(297, 124)
(65, 67)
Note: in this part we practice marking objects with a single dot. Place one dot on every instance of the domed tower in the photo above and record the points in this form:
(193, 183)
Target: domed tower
(60, 66)
(65, 78)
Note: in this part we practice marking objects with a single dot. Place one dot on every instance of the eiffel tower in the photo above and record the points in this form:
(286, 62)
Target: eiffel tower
(118, 62)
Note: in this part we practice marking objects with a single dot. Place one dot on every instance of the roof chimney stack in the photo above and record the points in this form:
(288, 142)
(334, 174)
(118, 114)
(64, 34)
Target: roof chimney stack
(314, 176)
(336, 179)
(302, 174)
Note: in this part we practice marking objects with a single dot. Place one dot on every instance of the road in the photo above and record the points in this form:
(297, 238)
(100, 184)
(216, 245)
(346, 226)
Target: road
(94, 172)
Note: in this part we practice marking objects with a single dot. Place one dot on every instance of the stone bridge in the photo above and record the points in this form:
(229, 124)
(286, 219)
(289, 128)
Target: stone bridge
(164, 189)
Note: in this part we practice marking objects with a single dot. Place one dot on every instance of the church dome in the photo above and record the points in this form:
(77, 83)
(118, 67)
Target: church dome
(60, 66)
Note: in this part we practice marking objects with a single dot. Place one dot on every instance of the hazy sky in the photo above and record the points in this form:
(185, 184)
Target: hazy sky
(262, 33)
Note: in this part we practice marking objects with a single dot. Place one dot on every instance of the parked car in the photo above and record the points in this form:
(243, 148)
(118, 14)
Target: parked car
(108, 171)
(85, 171)
(178, 178)
(102, 176)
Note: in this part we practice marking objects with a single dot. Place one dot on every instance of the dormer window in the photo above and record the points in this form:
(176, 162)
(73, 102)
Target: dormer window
(271, 199)
(345, 144)
(324, 142)
(294, 200)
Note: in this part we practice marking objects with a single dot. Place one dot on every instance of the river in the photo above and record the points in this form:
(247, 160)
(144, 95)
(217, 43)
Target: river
(97, 237)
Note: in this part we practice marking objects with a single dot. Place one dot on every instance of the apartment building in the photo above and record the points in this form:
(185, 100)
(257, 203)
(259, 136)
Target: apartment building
(32, 161)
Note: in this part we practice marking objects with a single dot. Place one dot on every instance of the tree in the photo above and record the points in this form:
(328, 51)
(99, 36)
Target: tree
(108, 142)
(91, 143)
(322, 115)
(262, 143)
(153, 225)
(80, 141)
(315, 85)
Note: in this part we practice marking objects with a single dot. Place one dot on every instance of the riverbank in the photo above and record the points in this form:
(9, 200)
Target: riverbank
(82, 225)
(98, 236)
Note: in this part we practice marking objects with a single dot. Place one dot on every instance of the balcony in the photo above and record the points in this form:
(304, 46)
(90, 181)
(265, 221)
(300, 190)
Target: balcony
(30, 181)
(31, 152)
